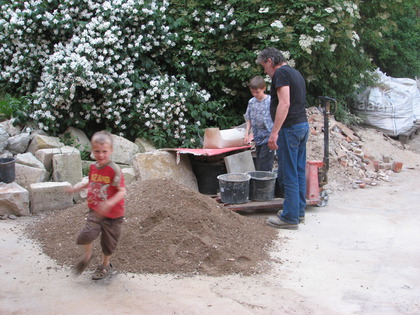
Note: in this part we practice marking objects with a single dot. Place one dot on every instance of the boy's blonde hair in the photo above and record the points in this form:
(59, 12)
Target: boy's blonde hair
(257, 83)
(102, 137)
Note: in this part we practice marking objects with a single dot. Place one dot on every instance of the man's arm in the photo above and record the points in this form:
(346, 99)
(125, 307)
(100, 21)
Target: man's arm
(283, 94)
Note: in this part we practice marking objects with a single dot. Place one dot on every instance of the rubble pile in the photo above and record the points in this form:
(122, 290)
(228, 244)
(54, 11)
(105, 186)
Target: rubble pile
(358, 156)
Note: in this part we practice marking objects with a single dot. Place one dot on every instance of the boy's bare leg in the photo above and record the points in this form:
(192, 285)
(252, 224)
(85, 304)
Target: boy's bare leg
(105, 261)
(88, 252)
(82, 264)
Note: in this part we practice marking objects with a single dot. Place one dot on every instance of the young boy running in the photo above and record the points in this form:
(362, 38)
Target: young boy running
(105, 200)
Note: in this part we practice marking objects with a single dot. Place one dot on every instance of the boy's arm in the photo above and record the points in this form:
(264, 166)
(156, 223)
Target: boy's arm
(117, 197)
(107, 205)
(248, 137)
(77, 187)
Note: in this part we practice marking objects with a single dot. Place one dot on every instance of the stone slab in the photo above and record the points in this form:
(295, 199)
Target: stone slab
(162, 164)
(240, 162)
(67, 168)
(50, 196)
(14, 199)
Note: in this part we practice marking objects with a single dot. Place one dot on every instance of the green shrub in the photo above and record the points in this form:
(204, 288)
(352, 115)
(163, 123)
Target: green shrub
(14, 107)
(390, 34)
(167, 70)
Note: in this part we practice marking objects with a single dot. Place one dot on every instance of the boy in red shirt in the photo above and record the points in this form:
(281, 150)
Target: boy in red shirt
(106, 191)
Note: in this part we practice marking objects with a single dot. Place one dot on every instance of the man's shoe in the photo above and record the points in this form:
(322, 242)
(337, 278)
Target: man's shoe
(301, 219)
(279, 224)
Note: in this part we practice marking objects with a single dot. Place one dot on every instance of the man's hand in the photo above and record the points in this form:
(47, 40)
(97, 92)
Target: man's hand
(272, 141)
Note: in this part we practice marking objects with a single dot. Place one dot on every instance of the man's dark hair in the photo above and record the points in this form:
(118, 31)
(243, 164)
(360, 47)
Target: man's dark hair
(271, 53)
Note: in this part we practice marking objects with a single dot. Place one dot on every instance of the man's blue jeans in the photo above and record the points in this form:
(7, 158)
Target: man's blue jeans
(291, 158)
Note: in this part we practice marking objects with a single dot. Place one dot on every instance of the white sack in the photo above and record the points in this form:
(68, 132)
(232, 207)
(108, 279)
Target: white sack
(389, 107)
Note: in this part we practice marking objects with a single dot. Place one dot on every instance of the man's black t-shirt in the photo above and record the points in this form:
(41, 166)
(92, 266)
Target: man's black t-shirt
(288, 76)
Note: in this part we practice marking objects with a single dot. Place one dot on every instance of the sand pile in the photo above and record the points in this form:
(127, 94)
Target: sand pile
(169, 229)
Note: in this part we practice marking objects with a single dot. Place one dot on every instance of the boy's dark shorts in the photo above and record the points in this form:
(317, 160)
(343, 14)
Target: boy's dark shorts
(110, 230)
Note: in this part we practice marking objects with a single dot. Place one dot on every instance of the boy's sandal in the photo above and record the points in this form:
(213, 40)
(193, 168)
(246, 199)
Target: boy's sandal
(101, 272)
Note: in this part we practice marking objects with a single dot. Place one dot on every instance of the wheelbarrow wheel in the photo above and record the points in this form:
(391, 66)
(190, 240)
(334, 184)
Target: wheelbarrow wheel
(323, 198)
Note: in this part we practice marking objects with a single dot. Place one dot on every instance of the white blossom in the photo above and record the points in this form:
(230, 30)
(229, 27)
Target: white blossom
(277, 24)
(319, 28)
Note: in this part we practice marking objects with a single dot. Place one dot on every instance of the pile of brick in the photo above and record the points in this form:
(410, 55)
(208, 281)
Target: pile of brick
(352, 164)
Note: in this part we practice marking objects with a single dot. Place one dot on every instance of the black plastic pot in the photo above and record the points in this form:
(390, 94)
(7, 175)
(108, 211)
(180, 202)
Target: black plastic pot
(7, 170)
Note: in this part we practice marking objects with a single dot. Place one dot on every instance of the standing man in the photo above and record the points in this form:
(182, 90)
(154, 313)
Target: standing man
(288, 136)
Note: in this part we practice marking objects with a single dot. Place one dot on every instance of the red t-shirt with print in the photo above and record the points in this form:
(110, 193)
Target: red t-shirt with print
(103, 184)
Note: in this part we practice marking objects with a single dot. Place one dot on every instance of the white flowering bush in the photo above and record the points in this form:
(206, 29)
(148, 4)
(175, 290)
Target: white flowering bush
(165, 70)
(168, 106)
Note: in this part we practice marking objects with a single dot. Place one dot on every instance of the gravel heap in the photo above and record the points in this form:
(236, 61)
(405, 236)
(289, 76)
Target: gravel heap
(169, 228)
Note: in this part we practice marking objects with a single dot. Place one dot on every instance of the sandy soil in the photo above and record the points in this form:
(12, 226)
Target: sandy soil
(185, 231)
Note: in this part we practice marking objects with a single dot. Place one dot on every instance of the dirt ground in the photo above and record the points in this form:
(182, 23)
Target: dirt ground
(183, 253)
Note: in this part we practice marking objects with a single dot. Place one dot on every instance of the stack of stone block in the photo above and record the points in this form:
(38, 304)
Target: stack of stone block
(45, 167)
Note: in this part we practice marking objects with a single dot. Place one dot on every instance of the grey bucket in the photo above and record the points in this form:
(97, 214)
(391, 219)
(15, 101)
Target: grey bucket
(234, 187)
(262, 185)
(7, 170)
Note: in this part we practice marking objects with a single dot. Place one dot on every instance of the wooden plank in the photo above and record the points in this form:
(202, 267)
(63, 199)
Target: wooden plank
(406, 136)
(345, 130)
(276, 203)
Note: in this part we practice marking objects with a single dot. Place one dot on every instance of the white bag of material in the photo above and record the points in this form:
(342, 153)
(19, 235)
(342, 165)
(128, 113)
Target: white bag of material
(416, 100)
(389, 106)
(214, 138)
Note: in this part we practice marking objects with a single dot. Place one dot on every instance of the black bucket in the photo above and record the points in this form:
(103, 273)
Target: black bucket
(262, 185)
(7, 170)
(206, 174)
(234, 187)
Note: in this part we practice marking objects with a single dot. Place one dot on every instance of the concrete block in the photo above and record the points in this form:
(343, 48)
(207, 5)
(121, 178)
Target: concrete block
(27, 175)
(50, 196)
(241, 162)
(67, 168)
(124, 150)
(163, 164)
(45, 155)
(29, 159)
(14, 199)
(43, 142)
(19, 143)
